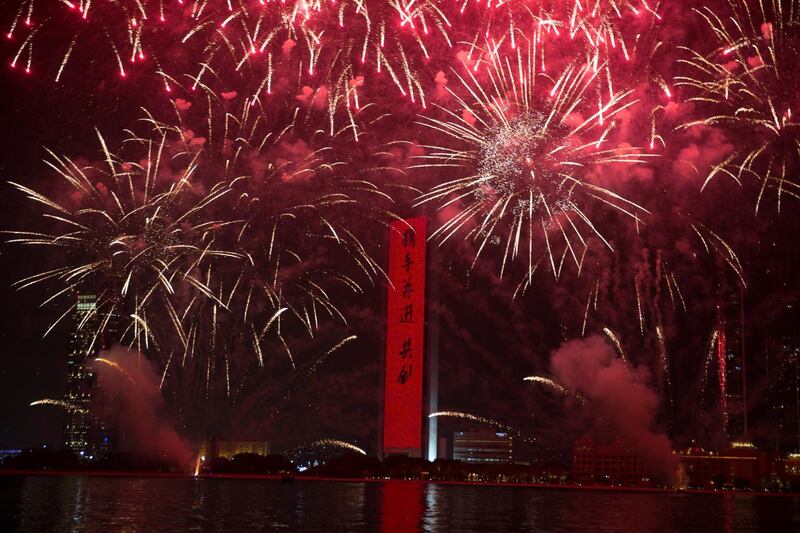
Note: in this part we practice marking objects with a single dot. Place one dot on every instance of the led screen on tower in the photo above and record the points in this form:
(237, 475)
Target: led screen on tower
(405, 321)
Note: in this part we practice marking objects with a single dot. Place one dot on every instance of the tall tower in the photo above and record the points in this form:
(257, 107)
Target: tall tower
(406, 360)
(85, 433)
(432, 356)
(783, 370)
(732, 365)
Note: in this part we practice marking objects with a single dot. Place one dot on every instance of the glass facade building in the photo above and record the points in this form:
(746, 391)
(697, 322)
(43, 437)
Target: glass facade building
(482, 446)
(86, 433)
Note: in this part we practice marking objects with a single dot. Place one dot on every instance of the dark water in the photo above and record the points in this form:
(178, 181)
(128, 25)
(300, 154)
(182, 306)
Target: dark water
(160, 505)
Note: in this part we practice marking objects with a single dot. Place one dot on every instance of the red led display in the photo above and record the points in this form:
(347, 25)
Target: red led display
(405, 330)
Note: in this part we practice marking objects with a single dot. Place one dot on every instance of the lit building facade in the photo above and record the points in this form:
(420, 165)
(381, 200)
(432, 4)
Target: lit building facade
(404, 358)
(612, 463)
(229, 448)
(410, 362)
(785, 474)
(739, 466)
(484, 446)
(85, 433)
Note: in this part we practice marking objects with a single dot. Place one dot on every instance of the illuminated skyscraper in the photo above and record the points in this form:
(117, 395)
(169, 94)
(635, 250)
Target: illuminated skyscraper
(404, 358)
(85, 433)
(732, 365)
(411, 360)
(784, 395)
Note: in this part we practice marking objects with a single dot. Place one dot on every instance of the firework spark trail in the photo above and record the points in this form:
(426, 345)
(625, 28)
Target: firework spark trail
(593, 296)
(598, 26)
(469, 416)
(617, 343)
(115, 366)
(558, 387)
(284, 227)
(652, 277)
(712, 242)
(187, 44)
(353, 50)
(336, 443)
(709, 360)
(658, 273)
(483, 420)
(198, 463)
(298, 377)
(746, 86)
(341, 48)
(60, 403)
(656, 293)
(526, 149)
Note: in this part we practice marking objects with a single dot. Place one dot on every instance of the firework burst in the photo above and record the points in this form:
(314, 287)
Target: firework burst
(748, 86)
(295, 200)
(209, 235)
(249, 46)
(137, 235)
(529, 150)
(595, 26)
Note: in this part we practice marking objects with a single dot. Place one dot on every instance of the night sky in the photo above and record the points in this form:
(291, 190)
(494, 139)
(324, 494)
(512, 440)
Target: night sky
(491, 335)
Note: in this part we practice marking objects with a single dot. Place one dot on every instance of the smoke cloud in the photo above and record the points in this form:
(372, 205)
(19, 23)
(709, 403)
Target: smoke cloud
(620, 394)
(130, 386)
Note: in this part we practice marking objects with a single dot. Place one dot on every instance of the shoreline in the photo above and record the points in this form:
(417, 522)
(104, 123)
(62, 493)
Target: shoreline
(326, 479)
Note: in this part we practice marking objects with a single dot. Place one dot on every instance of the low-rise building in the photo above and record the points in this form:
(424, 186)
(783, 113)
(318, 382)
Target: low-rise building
(611, 463)
(739, 466)
(482, 446)
(214, 448)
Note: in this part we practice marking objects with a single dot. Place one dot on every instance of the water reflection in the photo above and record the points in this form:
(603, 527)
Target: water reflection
(164, 505)
(402, 506)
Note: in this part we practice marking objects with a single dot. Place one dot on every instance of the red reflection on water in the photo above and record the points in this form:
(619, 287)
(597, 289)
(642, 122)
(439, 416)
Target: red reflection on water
(729, 512)
(401, 506)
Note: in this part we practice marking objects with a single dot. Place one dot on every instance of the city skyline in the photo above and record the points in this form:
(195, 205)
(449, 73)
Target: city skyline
(236, 223)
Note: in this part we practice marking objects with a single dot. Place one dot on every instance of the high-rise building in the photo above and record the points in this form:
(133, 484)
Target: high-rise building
(404, 359)
(483, 446)
(86, 433)
(410, 365)
(731, 364)
(783, 366)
